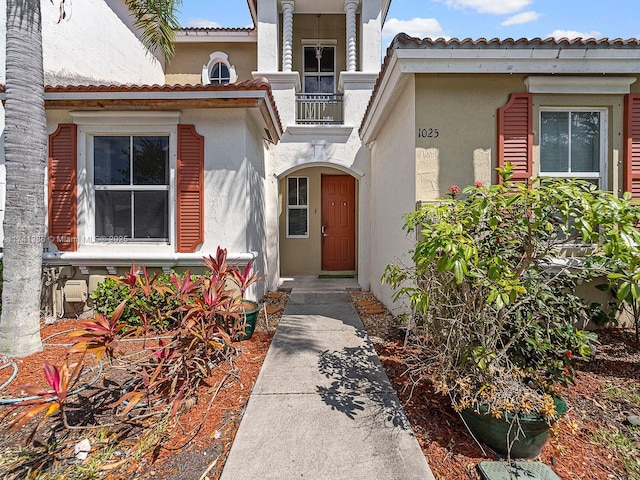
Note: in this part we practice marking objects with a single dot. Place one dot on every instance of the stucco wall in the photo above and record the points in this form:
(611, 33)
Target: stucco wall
(462, 109)
(393, 194)
(234, 180)
(186, 66)
(228, 167)
(256, 231)
(93, 45)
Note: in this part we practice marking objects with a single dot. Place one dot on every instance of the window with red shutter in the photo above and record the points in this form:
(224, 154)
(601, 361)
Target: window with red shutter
(515, 136)
(190, 189)
(63, 199)
(631, 159)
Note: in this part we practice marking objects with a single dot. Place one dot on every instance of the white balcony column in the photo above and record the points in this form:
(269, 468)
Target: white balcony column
(287, 34)
(350, 7)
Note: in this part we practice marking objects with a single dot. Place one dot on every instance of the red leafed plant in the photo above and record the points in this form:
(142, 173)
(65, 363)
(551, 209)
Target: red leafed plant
(206, 312)
(100, 335)
(49, 401)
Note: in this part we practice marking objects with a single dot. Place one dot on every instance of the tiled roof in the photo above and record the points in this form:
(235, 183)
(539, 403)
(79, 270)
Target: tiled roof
(255, 84)
(215, 29)
(404, 41)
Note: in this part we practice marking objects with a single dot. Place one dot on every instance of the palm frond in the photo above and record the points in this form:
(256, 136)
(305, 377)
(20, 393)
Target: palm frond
(157, 20)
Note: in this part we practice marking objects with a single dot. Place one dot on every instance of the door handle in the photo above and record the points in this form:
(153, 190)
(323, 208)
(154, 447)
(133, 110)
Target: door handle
(323, 230)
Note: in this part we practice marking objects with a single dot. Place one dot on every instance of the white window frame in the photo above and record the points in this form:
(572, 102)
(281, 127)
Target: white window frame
(215, 58)
(131, 188)
(306, 43)
(297, 207)
(91, 125)
(602, 174)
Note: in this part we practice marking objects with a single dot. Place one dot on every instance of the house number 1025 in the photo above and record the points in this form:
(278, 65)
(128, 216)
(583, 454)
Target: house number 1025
(428, 133)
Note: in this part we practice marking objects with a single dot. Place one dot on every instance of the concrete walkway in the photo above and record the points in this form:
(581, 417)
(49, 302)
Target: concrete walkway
(322, 407)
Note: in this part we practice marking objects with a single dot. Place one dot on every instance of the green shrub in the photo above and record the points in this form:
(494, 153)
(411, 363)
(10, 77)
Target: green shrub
(160, 309)
(494, 286)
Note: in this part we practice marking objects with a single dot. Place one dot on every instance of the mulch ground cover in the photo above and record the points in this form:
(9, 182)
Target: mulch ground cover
(194, 446)
(593, 441)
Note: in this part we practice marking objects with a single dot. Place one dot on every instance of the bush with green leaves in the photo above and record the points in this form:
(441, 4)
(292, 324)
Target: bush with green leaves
(492, 283)
(160, 308)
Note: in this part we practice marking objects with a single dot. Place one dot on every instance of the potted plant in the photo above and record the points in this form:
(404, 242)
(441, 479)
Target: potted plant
(491, 286)
(238, 280)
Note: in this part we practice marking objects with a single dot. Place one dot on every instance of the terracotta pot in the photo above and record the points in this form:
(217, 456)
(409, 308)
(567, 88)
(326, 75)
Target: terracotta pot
(498, 433)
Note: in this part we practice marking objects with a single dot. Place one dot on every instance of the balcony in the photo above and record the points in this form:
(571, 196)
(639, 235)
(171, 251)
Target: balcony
(319, 109)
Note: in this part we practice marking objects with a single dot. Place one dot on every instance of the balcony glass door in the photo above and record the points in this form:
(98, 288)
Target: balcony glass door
(319, 73)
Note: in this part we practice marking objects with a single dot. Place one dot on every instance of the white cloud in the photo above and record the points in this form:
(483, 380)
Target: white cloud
(201, 22)
(574, 34)
(520, 18)
(494, 7)
(416, 27)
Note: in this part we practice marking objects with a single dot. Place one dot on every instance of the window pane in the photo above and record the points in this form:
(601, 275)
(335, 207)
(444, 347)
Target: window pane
(151, 214)
(585, 141)
(298, 221)
(302, 191)
(326, 84)
(220, 74)
(111, 160)
(554, 141)
(311, 84)
(327, 60)
(151, 160)
(310, 60)
(293, 191)
(113, 215)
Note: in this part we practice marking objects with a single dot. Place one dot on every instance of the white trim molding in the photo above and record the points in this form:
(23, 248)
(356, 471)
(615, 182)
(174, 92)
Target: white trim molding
(350, 7)
(288, 8)
(218, 57)
(579, 85)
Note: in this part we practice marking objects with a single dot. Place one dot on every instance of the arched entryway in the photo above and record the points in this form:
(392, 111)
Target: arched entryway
(318, 221)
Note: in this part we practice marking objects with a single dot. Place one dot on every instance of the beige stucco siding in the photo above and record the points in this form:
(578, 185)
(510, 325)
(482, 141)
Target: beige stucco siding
(392, 189)
(463, 110)
(303, 256)
(186, 67)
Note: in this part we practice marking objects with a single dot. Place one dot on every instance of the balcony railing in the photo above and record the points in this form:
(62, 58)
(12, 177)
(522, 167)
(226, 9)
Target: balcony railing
(319, 108)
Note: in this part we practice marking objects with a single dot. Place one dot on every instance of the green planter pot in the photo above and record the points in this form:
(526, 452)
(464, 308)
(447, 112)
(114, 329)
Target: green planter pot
(494, 432)
(248, 318)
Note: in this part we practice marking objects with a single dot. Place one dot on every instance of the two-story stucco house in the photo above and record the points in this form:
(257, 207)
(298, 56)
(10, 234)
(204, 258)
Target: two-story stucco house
(247, 139)
(288, 144)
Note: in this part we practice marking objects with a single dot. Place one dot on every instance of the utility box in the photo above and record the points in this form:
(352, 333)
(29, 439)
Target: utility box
(76, 291)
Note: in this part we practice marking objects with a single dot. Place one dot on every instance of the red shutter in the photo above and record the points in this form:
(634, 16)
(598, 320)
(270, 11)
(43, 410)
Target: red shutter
(63, 200)
(190, 188)
(515, 136)
(631, 159)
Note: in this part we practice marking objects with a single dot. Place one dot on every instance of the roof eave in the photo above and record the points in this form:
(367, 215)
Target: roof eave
(66, 98)
(204, 35)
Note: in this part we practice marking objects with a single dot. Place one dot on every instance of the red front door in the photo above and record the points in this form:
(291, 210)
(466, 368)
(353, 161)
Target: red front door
(338, 222)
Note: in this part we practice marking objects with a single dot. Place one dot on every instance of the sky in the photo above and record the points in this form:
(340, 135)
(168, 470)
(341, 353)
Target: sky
(464, 18)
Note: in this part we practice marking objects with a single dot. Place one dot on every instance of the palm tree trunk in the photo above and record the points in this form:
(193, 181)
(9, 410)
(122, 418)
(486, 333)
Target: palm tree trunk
(25, 158)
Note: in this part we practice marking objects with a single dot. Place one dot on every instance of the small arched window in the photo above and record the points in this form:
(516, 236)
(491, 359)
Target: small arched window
(218, 71)
(219, 74)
